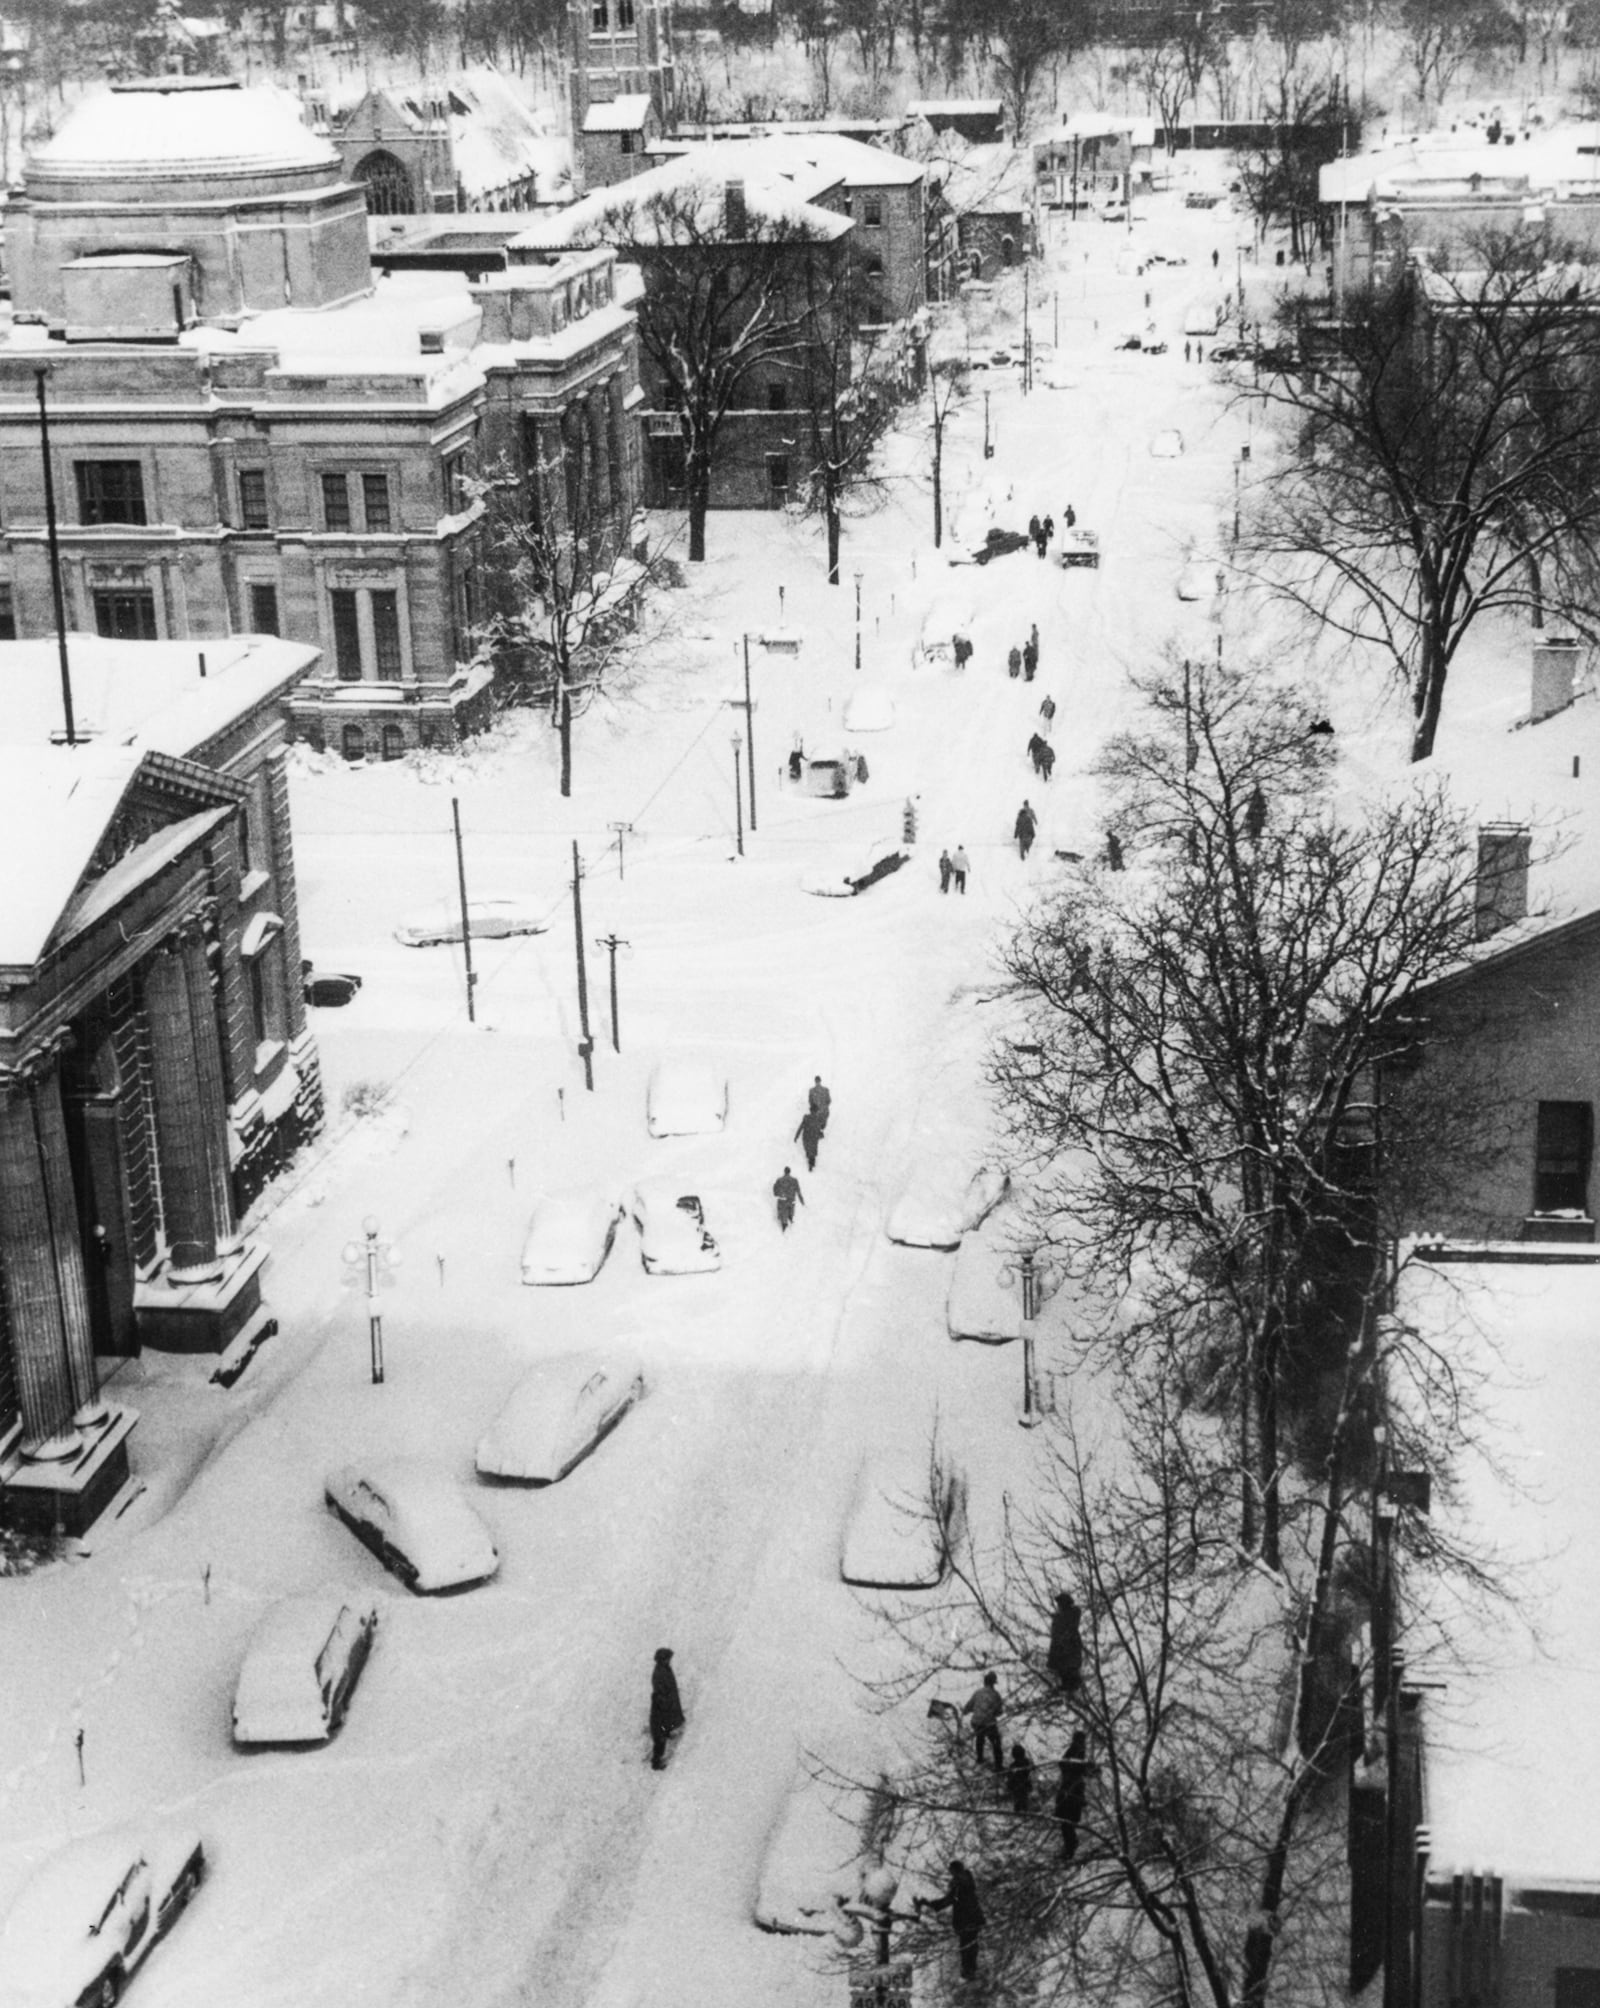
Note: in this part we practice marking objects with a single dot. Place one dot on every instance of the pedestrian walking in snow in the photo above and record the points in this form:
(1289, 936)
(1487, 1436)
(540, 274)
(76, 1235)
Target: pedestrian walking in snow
(796, 757)
(1035, 748)
(1019, 1779)
(786, 1191)
(819, 1102)
(966, 1915)
(1049, 530)
(1047, 759)
(1014, 662)
(666, 1710)
(1072, 516)
(1034, 527)
(1025, 829)
(1199, 352)
(1187, 353)
(808, 1136)
(945, 871)
(959, 867)
(1213, 259)
(1065, 1656)
(1113, 851)
(985, 1705)
(1030, 659)
(1047, 710)
(1072, 1788)
(961, 648)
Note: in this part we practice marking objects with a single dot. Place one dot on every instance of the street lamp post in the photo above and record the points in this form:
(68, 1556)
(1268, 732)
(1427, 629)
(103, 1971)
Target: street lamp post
(858, 620)
(738, 796)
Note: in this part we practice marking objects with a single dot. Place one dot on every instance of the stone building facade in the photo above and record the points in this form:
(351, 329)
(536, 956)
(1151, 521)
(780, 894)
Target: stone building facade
(249, 432)
(155, 1064)
(620, 49)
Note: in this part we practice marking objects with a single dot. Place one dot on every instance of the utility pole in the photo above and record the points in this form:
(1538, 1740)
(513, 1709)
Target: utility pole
(988, 450)
(1027, 338)
(620, 830)
(858, 620)
(611, 943)
(53, 543)
(466, 918)
(586, 1041)
(738, 796)
(750, 733)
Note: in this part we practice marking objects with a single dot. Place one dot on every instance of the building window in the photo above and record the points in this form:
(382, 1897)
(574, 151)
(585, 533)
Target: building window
(253, 498)
(456, 497)
(335, 502)
(8, 615)
(353, 743)
(110, 491)
(394, 742)
(777, 479)
(627, 141)
(872, 212)
(386, 636)
(264, 609)
(375, 501)
(599, 21)
(346, 636)
(624, 13)
(874, 268)
(125, 615)
(1562, 1153)
(777, 397)
(260, 1002)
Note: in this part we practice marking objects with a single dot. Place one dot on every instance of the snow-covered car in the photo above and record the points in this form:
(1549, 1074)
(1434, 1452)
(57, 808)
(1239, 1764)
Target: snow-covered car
(1167, 445)
(1133, 341)
(673, 1238)
(882, 861)
(555, 1417)
(415, 1518)
(937, 1208)
(491, 919)
(904, 1523)
(1201, 198)
(1200, 320)
(986, 1280)
(686, 1098)
(812, 1860)
(1230, 352)
(1003, 359)
(91, 1915)
(997, 543)
(868, 708)
(570, 1236)
(1155, 348)
(1080, 550)
(302, 1666)
(1201, 579)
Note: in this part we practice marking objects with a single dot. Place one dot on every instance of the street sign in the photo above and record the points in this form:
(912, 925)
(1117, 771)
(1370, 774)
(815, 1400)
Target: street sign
(881, 1986)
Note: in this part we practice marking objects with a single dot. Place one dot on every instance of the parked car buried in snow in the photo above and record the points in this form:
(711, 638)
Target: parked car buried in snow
(415, 1518)
(673, 1238)
(91, 1915)
(555, 1417)
(997, 543)
(327, 990)
(686, 1098)
(490, 918)
(881, 862)
(936, 1208)
(904, 1523)
(301, 1668)
(570, 1236)
(1079, 549)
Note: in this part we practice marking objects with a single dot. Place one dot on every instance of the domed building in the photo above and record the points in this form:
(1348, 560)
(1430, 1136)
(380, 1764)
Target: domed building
(251, 433)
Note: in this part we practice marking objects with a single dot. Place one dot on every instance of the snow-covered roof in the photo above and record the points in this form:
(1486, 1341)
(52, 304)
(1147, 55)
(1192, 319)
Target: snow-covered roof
(55, 805)
(1513, 1738)
(1105, 125)
(849, 162)
(985, 180)
(694, 184)
(174, 124)
(624, 114)
(930, 108)
(140, 695)
(1435, 166)
(497, 136)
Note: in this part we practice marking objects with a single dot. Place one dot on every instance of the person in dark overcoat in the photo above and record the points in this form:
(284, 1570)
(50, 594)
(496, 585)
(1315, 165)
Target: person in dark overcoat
(1072, 1788)
(966, 1915)
(1025, 828)
(666, 1709)
(1019, 1779)
(1065, 1657)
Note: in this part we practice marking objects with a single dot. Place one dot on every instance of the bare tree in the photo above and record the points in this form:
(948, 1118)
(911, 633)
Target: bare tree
(947, 390)
(729, 297)
(1305, 110)
(570, 578)
(1193, 1083)
(1441, 37)
(852, 392)
(1444, 466)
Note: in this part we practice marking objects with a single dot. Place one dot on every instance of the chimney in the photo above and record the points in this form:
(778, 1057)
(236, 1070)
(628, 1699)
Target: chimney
(735, 220)
(1502, 895)
(1555, 667)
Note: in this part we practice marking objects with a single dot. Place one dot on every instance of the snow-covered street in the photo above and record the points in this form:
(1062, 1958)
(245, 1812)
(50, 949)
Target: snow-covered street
(486, 1829)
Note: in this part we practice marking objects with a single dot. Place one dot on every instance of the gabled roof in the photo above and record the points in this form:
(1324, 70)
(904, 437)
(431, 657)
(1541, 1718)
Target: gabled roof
(56, 803)
(849, 162)
(696, 182)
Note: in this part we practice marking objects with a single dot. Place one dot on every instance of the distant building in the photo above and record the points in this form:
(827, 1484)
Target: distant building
(1092, 154)
(621, 51)
(155, 1067)
(472, 142)
(252, 434)
(979, 120)
(990, 193)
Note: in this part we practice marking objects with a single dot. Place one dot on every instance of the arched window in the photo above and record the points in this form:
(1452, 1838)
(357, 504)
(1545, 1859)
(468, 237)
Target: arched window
(394, 742)
(387, 184)
(354, 743)
(1008, 251)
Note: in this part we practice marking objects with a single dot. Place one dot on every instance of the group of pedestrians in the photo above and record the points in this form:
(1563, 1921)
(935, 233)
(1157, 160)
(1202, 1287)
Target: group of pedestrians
(953, 868)
(1023, 660)
(1043, 755)
(786, 1187)
(1040, 531)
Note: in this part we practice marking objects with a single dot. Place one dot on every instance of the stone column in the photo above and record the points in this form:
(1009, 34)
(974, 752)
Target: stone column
(191, 1108)
(46, 1300)
(599, 505)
